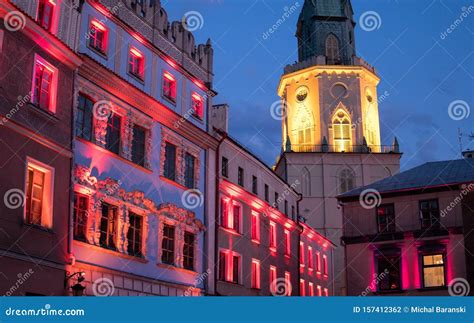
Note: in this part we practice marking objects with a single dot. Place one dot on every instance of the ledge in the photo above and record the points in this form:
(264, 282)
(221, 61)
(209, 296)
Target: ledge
(174, 268)
(111, 252)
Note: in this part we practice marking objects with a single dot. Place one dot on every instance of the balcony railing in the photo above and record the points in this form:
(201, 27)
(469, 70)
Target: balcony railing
(362, 149)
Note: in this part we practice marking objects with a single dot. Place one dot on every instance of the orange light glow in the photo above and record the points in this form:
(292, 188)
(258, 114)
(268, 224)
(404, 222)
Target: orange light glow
(169, 76)
(98, 25)
(199, 84)
(171, 62)
(136, 52)
(197, 97)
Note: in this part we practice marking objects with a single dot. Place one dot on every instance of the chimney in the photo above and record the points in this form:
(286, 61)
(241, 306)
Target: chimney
(219, 117)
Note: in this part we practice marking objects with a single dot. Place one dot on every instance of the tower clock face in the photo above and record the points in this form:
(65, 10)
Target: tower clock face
(302, 94)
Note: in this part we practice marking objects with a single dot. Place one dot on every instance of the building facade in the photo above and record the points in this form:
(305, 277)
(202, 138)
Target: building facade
(330, 129)
(406, 235)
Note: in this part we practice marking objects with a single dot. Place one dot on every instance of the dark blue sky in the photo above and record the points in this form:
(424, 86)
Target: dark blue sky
(422, 72)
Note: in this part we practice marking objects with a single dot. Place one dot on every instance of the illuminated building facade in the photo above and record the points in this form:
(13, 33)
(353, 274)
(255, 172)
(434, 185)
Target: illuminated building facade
(37, 80)
(330, 130)
(414, 238)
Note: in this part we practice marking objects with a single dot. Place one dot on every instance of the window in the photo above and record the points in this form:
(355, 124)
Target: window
(39, 196)
(84, 118)
(197, 105)
(332, 50)
(276, 200)
(273, 277)
(301, 254)
(167, 245)
(306, 182)
(225, 167)
(389, 272)
(287, 243)
(136, 63)
(311, 289)
(293, 213)
(229, 267)
(310, 259)
(240, 176)
(346, 180)
(304, 136)
(318, 262)
(189, 177)
(286, 208)
(326, 292)
(108, 226)
(342, 132)
(429, 214)
(386, 218)
(44, 85)
(112, 138)
(169, 86)
(320, 293)
(433, 270)
(273, 236)
(134, 235)
(225, 213)
(254, 185)
(230, 217)
(188, 251)
(45, 13)
(81, 207)
(302, 288)
(267, 193)
(170, 162)
(236, 215)
(288, 283)
(138, 145)
(325, 265)
(255, 274)
(98, 36)
(255, 227)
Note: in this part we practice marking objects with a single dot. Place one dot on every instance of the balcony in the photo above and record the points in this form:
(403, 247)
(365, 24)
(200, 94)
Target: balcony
(360, 149)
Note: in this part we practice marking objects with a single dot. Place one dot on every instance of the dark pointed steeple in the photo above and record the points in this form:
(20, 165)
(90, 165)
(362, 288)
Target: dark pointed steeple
(326, 28)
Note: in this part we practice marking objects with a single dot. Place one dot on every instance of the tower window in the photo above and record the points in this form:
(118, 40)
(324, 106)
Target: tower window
(342, 132)
(332, 50)
(346, 181)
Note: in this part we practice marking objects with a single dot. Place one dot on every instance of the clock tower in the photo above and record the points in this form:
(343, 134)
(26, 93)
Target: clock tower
(330, 132)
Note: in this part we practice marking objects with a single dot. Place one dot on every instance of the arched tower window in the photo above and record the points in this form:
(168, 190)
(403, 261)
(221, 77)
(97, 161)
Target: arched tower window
(346, 181)
(306, 182)
(341, 125)
(332, 50)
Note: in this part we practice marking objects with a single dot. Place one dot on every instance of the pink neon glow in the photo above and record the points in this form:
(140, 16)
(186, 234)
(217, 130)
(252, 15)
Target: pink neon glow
(171, 62)
(197, 97)
(98, 25)
(169, 76)
(135, 52)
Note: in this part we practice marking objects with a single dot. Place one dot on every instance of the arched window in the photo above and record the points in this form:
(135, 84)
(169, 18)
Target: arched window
(332, 49)
(346, 181)
(341, 126)
(306, 182)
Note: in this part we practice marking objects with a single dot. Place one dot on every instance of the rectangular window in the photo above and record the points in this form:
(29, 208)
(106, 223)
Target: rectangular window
(255, 274)
(293, 214)
(320, 291)
(277, 197)
(136, 63)
(45, 13)
(429, 214)
(240, 176)
(197, 106)
(433, 270)
(114, 129)
(225, 213)
(138, 145)
(389, 273)
(288, 282)
(108, 226)
(273, 276)
(235, 269)
(273, 236)
(236, 215)
(189, 178)
(267, 193)
(223, 266)
(98, 35)
(310, 258)
(386, 218)
(43, 85)
(167, 245)
(326, 292)
(84, 118)
(225, 167)
(311, 289)
(302, 288)
(301, 254)
(134, 235)
(188, 251)
(169, 87)
(39, 194)
(318, 262)
(254, 185)
(170, 162)
(325, 265)
(81, 207)
(255, 227)
(286, 207)
(287, 243)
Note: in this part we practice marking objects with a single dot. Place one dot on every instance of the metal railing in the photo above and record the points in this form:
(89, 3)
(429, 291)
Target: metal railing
(361, 149)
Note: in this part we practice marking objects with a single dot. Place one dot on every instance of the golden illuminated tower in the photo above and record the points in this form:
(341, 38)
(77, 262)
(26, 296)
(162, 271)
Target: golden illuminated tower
(331, 134)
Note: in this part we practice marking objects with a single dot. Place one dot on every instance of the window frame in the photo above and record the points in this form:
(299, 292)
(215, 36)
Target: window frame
(197, 106)
(287, 235)
(96, 25)
(110, 240)
(76, 215)
(140, 159)
(191, 256)
(52, 88)
(189, 170)
(52, 17)
(167, 173)
(225, 167)
(136, 63)
(240, 176)
(388, 224)
(438, 216)
(387, 258)
(137, 238)
(255, 279)
(170, 250)
(255, 227)
(113, 129)
(423, 267)
(169, 87)
(272, 236)
(254, 185)
(87, 117)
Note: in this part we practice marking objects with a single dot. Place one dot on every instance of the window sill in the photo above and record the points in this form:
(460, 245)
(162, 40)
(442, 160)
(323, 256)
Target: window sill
(231, 231)
(111, 252)
(39, 228)
(137, 78)
(427, 289)
(169, 100)
(273, 249)
(170, 181)
(43, 113)
(98, 52)
(197, 118)
(257, 242)
(172, 267)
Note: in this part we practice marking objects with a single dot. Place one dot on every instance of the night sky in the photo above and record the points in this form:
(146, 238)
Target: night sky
(422, 72)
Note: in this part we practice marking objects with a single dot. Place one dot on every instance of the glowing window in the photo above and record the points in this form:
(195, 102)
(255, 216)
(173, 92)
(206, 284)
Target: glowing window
(197, 105)
(136, 63)
(108, 225)
(229, 266)
(433, 270)
(302, 288)
(288, 283)
(225, 213)
(319, 291)
(326, 292)
(236, 216)
(273, 236)
(169, 87)
(301, 254)
(80, 214)
(255, 227)
(44, 85)
(325, 265)
(311, 289)
(98, 35)
(45, 13)
(342, 132)
(287, 243)
(273, 274)
(39, 194)
(332, 49)
(310, 258)
(318, 262)
(255, 274)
